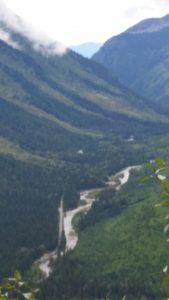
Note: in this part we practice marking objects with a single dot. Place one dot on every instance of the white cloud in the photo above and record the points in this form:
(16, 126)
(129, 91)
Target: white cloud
(40, 41)
(5, 36)
(79, 21)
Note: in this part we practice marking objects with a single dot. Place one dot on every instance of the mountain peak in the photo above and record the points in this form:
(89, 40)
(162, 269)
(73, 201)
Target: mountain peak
(140, 59)
(150, 25)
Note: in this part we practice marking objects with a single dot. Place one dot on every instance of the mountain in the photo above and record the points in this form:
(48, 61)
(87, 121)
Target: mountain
(150, 25)
(86, 49)
(75, 94)
(121, 249)
(140, 59)
(54, 104)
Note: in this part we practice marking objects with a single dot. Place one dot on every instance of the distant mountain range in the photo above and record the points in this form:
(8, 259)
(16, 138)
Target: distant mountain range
(87, 49)
(140, 59)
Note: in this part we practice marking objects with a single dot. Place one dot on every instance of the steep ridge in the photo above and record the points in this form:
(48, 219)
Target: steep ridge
(140, 59)
(69, 83)
(64, 124)
(150, 25)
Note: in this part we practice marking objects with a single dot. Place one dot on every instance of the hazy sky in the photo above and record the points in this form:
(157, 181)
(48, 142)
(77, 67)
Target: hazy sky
(77, 21)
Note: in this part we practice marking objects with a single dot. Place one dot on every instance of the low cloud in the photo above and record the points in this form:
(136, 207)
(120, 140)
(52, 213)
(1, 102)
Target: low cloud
(40, 41)
(5, 36)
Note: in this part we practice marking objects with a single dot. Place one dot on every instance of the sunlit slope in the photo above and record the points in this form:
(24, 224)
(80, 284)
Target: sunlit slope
(70, 92)
(50, 108)
(140, 59)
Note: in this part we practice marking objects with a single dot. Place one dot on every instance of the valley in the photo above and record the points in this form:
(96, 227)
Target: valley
(71, 235)
(117, 236)
(75, 218)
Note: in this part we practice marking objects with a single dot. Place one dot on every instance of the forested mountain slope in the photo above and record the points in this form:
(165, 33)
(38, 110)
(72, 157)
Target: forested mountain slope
(140, 59)
(51, 107)
(121, 251)
(67, 80)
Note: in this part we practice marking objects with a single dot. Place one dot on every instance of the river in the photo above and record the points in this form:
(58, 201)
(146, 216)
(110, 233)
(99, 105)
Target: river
(71, 235)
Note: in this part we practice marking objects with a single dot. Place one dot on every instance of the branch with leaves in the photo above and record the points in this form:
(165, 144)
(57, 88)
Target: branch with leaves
(157, 169)
(16, 289)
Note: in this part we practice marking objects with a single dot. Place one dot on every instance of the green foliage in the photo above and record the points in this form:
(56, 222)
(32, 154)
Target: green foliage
(121, 254)
(157, 167)
(50, 108)
(106, 205)
(16, 289)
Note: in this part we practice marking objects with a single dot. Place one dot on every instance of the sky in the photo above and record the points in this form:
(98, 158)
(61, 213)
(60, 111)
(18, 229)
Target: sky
(73, 22)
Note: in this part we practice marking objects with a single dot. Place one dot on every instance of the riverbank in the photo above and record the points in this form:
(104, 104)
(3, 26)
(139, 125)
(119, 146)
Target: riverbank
(86, 197)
